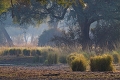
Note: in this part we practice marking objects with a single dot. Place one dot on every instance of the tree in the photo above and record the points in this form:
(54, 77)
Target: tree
(87, 12)
(4, 7)
(107, 34)
(47, 35)
(94, 10)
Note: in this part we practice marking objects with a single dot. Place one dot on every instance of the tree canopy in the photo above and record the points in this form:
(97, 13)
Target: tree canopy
(81, 13)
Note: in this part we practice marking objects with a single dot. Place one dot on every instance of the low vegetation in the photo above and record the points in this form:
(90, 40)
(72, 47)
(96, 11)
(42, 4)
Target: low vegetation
(78, 61)
(43, 55)
(101, 63)
(116, 57)
(53, 63)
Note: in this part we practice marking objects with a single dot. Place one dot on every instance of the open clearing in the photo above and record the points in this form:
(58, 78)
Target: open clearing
(54, 72)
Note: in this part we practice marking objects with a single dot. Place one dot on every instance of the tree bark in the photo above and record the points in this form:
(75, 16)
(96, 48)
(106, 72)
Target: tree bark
(84, 25)
(9, 41)
(2, 38)
(85, 36)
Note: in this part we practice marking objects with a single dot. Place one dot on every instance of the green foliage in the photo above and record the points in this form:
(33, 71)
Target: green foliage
(77, 62)
(26, 52)
(116, 57)
(47, 35)
(12, 51)
(18, 52)
(4, 5)
(64, 3)
(5, 52)
(101, 63)
(107, 34)
(52, 58)
(35, 52)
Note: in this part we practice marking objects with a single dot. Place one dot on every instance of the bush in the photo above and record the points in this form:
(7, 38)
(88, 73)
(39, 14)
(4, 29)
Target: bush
(116, 58)
(12, 52)
(38, 52)
(33, 52)
(101, 63)
(52, 58)
(77, 62)
(71, 57)
(18, 52)
(5, 52)
(26, 52)
(78, 65)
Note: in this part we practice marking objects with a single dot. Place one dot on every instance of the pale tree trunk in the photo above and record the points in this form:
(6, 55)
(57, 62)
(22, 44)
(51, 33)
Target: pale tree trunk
(2, 39)
(9, 41)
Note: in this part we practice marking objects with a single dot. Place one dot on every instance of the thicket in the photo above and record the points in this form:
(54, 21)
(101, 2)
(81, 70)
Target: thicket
(45, 55)
(101, 63)
(77, 62)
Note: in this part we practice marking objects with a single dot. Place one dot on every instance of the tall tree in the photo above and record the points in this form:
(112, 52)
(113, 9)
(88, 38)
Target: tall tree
(93, 10)
(4, 7)
(107, 34)
(87, 12)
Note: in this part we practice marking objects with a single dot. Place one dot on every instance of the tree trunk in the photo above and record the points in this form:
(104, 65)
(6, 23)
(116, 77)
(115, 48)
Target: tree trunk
(9, 41)
(2, 38)
(85, 36)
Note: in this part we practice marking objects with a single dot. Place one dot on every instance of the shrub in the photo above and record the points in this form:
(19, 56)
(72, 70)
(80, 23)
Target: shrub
(52, 58)
(5, 52)
(71, 57)
(18, 52)
(116, 58)
(26, 52)
(38, 52)
(12, 52)
(78, 65)
(77, 62)
(35, 52)
(101, 63)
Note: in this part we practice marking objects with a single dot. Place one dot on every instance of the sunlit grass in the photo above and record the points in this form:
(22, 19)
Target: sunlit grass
(42, 55)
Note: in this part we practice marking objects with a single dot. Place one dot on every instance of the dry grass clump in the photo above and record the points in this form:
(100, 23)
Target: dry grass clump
(116, 57)
(101, 63)
(77, 62)
(52, 58)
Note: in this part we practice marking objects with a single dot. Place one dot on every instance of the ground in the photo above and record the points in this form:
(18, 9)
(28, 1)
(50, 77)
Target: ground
(53, 72)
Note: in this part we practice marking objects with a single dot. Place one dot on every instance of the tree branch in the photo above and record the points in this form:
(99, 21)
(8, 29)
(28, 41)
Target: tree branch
(58, 17)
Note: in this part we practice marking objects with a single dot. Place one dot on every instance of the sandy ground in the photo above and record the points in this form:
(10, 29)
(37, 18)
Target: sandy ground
(54, 72)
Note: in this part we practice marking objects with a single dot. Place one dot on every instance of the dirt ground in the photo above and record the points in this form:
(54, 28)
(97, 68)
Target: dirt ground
(54, 72)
